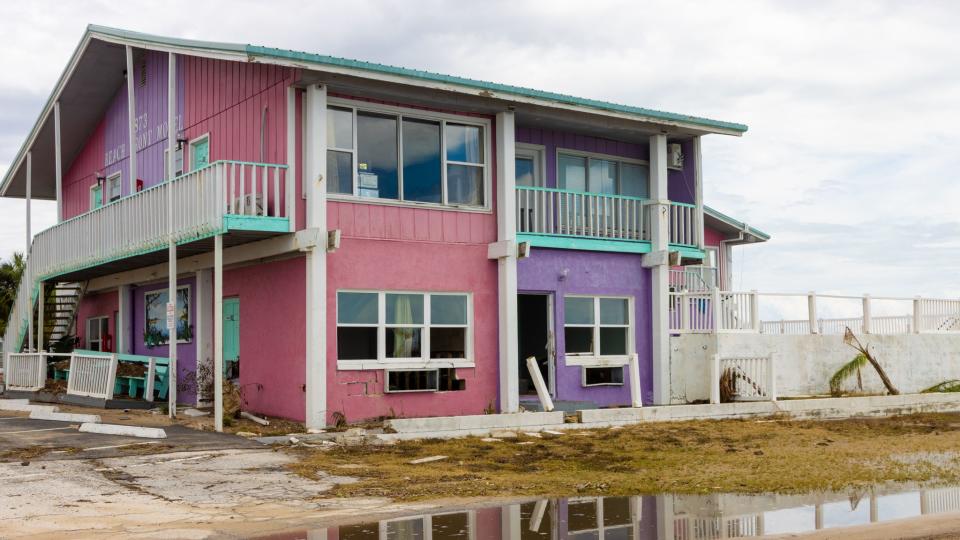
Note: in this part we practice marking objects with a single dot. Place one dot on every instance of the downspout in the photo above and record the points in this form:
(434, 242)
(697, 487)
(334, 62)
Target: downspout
(741, 236)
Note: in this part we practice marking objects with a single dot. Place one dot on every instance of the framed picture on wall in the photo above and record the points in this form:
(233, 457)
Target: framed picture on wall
(155, 307)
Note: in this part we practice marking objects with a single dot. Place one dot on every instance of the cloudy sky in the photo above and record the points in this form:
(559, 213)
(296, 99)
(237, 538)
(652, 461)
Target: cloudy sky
(853, 150)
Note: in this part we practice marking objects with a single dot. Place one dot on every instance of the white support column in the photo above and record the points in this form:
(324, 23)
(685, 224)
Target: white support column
(507, 264)
(291, 183)
(315, 182)
(124, 337)
(172, 249)
(755, 310)
(40, 307)
(131, 122)
(218, 332)
(812, 312)
(917, 316)
(698, 189)
(660, 274)
(203, 331)
(26, 253)
(867, 316)
(58, 160)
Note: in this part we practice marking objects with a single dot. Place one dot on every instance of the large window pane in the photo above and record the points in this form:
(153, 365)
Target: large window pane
(403, 342)
(465, 185)
(404, 309)
(578, 339)
(578, 310)
(464, 143)
(339, 128)
(448, 342)
(603, 176)
(525, 172)
(357, 343)
(377, 155)
(613, 341)
(421, 161)
(356, 308)
(340, 172)
(572, 172)
(614, 311)
(448, 309)
(633, 180)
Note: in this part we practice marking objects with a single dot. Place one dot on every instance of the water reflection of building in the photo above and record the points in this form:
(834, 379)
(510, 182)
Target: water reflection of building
(663, 517)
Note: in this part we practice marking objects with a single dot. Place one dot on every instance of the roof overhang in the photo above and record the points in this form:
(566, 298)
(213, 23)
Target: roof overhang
(735, 232)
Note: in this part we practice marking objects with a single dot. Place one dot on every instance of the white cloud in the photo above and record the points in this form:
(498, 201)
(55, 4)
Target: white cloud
(850, 161)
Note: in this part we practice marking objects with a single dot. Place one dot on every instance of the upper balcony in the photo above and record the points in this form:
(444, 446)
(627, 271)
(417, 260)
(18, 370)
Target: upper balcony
(564, 218)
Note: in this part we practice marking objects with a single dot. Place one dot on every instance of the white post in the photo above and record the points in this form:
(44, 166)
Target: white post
(542, 392)
(218, 332)
(291, 175)
(698, 192)
(26, 253)
(316, 186)
(715, 378)
(755, 310)
(636, 395)
(40, 306)
(660, 274)
(172, 271)
(124, 337)
(917, 315)
(507, 265)
(151, 378)
(772, 376)
(717, 310)
(812, 312)
(131, 122)
(203, 327)
(683, 304)
(867, 318)
(58, 160)
(111, 376)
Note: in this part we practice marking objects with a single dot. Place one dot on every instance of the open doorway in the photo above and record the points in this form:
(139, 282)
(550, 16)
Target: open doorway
(534, 339)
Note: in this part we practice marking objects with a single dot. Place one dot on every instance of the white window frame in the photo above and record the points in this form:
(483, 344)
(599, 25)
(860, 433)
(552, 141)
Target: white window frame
(115, 177)
(599, 156)
(193, 142)
(595, 359)
(444, 119)
(427, 520)
(601, 529)
(93, 188)
(534, 152)
(401, 364)
(166, 167)
(99, 341)
(189, 316)
(583, 376)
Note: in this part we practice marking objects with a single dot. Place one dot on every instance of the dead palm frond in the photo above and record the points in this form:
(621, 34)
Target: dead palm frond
(730, 379)
(952, 385)
(847, 371)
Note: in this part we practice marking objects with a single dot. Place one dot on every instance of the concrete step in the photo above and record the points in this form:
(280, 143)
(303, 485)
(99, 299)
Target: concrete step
(565, 406)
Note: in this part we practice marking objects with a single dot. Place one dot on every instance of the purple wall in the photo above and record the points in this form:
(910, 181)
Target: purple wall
(186, 352)
(681, 184)
(592, 273)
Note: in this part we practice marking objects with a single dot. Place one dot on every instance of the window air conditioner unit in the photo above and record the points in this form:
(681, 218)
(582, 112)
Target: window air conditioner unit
(675, 156)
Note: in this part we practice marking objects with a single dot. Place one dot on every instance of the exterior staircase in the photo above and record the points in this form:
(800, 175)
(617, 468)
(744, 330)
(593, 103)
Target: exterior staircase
(60, 311)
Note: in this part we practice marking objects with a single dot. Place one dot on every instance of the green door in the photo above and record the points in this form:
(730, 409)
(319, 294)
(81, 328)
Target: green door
(96, 197)
(200, 154)
(231, 336)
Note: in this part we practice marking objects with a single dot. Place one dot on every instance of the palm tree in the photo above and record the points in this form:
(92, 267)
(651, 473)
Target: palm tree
(10, 273)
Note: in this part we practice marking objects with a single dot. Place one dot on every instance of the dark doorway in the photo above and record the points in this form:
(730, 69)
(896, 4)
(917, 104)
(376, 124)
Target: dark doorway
(533, 321)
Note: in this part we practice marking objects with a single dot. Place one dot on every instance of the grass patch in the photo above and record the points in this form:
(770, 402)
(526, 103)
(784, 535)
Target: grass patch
(744, 456)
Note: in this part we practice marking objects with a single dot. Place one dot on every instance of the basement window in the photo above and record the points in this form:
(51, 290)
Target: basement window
(412, 380)
(602, 376)
(601, 517)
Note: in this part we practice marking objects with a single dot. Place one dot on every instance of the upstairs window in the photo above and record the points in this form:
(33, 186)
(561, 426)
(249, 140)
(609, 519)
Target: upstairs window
(394, 154)
(600, 174)
(114, 187)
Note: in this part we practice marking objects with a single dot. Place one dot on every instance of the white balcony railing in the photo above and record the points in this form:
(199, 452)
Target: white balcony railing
(684, 224)
(573, 213)
(139, 224)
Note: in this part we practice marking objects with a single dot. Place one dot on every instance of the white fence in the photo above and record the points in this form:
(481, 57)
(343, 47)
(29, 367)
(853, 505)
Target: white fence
(684, 224)
(573, 213)
(92, 376)
(693, 278)
(746, 378)
(26, 371)
(138, 224)
(723, 311)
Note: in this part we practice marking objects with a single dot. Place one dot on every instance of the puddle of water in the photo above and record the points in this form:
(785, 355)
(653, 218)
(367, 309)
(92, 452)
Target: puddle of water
(659, 517)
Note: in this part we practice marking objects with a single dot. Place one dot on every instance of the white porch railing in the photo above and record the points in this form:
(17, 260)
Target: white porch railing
(696, 312)
(693, 278)
(92, 376)
(138, 224)
(26, 371)
(745, 378)
(684, 224)
(573, 213)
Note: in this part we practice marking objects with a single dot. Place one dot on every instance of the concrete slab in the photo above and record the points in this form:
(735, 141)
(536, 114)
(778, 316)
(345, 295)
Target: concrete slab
(127, 431)
(65, 417)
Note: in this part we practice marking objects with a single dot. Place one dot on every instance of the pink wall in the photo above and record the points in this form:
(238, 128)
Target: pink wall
(712, 237)
(272, 344)
(96, 305)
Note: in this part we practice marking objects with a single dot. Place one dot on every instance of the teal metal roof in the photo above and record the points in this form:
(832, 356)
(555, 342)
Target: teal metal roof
(735, 223)
(424, 76)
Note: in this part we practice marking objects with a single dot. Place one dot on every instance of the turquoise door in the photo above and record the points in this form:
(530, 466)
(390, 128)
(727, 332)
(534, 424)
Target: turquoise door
(200, 154)
(96, 197)
(231, 336)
